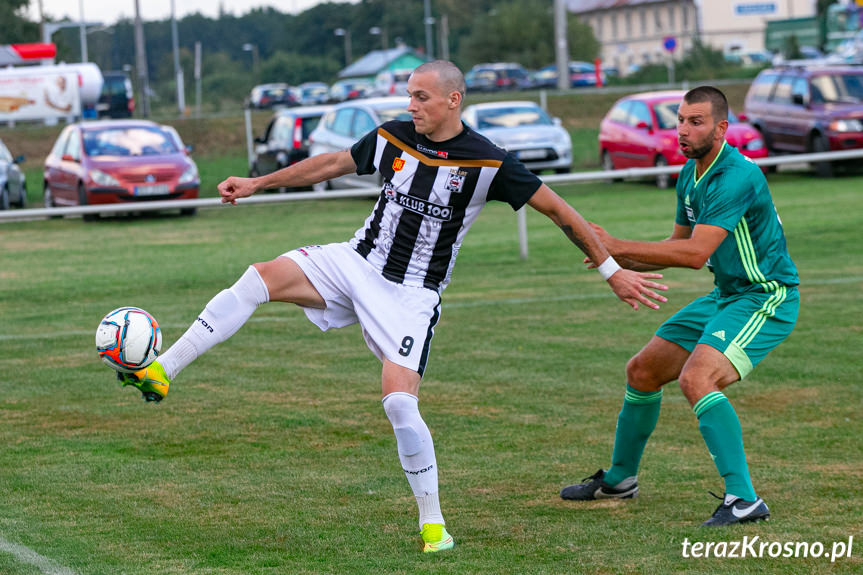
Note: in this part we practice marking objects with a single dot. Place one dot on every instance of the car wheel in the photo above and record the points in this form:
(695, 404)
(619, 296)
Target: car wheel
(607, 165)
(4, 198)
(22, 197)
(82, 201)
(662, 180)
(188, 211)
(48, 198)
(820, 144)
(562, 170)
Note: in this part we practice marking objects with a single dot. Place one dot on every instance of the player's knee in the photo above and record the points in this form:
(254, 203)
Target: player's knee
(640, 376)
(695, 385)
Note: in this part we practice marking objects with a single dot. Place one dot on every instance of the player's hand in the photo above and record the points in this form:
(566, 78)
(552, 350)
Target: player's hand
(234, 188)
(637, 287)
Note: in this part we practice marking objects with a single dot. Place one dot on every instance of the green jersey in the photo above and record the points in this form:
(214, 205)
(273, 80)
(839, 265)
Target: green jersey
(732, 194)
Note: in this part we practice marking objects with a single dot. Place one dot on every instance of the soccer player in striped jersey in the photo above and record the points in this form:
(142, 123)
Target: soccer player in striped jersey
(437, 175)
(725, 219)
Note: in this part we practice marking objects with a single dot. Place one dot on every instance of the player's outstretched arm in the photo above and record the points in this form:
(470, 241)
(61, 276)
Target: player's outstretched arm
(686, 248)
(630, 286)
(310, 171)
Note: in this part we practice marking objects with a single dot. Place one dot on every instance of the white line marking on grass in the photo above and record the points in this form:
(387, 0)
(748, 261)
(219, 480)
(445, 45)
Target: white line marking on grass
(27, 555)
(452, 304)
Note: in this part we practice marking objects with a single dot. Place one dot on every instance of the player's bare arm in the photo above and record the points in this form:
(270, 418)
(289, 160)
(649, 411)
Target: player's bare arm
(682, 250)
(310, 171)
(630, 286)
(678, 233)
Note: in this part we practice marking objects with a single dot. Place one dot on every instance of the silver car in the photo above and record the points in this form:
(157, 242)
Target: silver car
(345, 124)
(526, 130)
(13, 186)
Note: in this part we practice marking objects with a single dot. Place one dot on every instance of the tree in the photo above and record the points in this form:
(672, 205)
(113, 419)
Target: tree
(15, 27)
(513, 31)
(583, 45)
(523, 31)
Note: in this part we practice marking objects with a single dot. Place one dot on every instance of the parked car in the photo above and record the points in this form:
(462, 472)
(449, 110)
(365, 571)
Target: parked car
(545, 77)
(116, 99)
(392, 82)
(286, 140)
(507, 76)
(13, 183)
(480, 81)
(640, 131)
(808, 109)
(271, 95)
(352, 89)
(118, 161)
(581, 74)
(346, 123)
(524, 129)
(312, 93)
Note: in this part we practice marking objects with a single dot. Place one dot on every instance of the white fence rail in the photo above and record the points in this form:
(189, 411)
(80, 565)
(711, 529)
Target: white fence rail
(581, 177)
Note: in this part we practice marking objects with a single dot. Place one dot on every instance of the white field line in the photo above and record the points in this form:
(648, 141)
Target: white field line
(27, 555)
(450, 305)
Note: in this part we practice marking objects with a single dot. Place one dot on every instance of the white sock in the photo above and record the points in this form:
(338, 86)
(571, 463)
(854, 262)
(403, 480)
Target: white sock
(416, 453)
(221, 319)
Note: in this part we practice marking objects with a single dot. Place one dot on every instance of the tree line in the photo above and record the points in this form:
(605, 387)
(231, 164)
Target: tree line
(301, 47)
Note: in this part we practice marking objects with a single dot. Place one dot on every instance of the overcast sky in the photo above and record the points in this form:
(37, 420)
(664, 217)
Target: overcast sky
(109, 11)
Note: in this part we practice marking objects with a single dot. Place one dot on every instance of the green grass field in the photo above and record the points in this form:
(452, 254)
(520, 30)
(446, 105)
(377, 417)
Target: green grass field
(272, 454)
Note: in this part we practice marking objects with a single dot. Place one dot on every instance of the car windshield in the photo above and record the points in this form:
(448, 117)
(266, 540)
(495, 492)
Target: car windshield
(511, 117)
(388, 114)
(838, 88)
(136, 141)
(666, 114)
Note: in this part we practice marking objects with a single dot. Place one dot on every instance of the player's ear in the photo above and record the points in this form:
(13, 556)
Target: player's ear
(722, 128)
(454, 99)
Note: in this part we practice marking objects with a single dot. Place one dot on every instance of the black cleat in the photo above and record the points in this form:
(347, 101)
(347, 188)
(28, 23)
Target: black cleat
(594, 487)
(736, 510)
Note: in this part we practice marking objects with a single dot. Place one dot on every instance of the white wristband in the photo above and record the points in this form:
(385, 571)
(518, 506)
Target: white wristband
(608, 268)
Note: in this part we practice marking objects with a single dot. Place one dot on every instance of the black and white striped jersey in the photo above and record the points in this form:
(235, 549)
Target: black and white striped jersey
(432, 193)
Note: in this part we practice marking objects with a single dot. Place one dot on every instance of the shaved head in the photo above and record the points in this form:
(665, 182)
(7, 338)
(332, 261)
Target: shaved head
(450, 77)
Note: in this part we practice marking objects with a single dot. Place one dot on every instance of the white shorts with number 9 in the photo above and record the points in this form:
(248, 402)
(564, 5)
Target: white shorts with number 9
(397, 320)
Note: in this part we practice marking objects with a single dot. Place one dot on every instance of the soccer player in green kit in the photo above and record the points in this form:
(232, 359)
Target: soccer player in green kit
(725, 219)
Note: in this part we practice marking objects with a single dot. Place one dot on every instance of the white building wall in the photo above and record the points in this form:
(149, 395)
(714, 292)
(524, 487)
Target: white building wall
(632, 32)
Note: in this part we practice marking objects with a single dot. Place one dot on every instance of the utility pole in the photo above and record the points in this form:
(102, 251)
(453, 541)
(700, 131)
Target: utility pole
(429, 21)
(561, 47)
(444, 37)
(83, 32)
(198, 78)
(178, 71)
(141, 63)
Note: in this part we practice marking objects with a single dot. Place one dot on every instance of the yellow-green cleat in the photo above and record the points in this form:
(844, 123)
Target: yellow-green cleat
(151, 381)
(436, 538)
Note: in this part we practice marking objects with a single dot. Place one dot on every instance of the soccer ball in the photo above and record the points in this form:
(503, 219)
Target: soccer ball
(128, 339)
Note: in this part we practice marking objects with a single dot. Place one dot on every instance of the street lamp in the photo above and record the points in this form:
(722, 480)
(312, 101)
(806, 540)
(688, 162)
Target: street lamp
(378, 31)
(347, 35)
(253, 48)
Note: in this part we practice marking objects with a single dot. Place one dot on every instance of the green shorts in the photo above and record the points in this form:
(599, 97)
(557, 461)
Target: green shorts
(743, 327)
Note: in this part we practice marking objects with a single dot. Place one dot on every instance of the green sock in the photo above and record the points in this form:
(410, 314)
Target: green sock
(636, 422)
(720, 427)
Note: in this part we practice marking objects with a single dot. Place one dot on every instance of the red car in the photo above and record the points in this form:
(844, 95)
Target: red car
(119, 161)
(640, 131)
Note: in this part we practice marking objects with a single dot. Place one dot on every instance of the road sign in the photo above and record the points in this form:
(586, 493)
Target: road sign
(669, 43)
